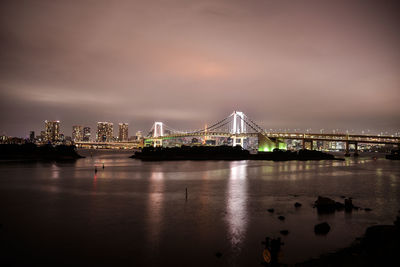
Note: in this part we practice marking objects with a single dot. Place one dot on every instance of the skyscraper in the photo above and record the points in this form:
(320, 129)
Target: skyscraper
(77, 133)
(86, 134)
(123, 131)
(104, 131)
(52, 131)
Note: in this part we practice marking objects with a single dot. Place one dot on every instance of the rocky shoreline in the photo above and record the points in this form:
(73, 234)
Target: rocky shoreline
(380, 246)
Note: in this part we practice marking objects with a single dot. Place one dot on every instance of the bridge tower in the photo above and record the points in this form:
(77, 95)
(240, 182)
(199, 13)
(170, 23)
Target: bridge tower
(158, 129)
(238, 128)
(238, 124)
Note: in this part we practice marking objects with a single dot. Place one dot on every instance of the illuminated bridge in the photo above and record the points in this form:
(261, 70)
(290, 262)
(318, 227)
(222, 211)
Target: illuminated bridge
(238, 127)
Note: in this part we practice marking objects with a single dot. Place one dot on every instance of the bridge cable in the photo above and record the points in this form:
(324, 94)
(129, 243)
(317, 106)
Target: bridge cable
(212, 126)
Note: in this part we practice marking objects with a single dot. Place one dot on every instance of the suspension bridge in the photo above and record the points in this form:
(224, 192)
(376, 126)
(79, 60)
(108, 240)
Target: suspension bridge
(237, 129)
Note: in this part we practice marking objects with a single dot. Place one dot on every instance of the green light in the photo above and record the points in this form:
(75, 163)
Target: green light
(282, 145)
(268, 145)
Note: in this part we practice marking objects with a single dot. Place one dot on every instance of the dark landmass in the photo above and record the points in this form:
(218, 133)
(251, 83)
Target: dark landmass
(394, 155)
(33, 152)
(380, 246)
(225, 153)
(192, 153)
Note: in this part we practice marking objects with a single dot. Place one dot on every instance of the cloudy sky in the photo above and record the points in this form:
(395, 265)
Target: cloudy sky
(286, 64)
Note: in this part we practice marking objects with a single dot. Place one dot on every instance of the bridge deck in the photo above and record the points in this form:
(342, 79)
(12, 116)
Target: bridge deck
(373, 139)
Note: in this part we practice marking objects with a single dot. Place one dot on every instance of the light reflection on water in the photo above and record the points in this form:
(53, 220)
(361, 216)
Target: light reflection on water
(236, 203)
(154, 206)
(94, 182)
(55, 171)
(142, 206)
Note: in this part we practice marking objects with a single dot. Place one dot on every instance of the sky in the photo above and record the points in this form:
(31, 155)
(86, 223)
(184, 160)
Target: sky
(286, 64)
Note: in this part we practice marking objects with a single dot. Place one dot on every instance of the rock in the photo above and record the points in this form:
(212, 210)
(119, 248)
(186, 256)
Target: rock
(339, 206)
(297, 205)
(271, 210)
(397, 222)
(281, 218)
(284, 232)
(325, 205)
(322, 228)
(343, 196)
(348, 205)
(368, 209)
(218, 254)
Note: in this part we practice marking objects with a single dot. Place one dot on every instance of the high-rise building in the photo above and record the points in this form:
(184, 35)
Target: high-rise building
(32, 136)
(104, 132)
(42, 136)
(52, 131)
(77, 133)
(123, 131)
(86, 134)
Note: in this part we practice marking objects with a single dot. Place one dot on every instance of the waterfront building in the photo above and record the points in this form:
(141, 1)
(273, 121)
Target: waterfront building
(86, 134)
(77, 133)
(123, 131)
(52, 131)
(104, 132)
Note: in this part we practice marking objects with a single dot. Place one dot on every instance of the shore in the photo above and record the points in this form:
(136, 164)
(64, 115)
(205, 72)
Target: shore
(380, 246)
(226, 153)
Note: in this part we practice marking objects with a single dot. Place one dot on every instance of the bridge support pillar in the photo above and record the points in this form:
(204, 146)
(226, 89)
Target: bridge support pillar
(238, 141)
(157, 142)
(347, 153)
(355, 149)
(305, 141)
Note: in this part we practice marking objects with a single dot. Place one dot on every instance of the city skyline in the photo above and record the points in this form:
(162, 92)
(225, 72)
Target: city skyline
(199, 133)
(86, 133)
(288, 65)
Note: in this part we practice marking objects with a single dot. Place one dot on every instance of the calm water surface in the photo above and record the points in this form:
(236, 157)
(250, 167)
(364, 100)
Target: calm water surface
(134, 213)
